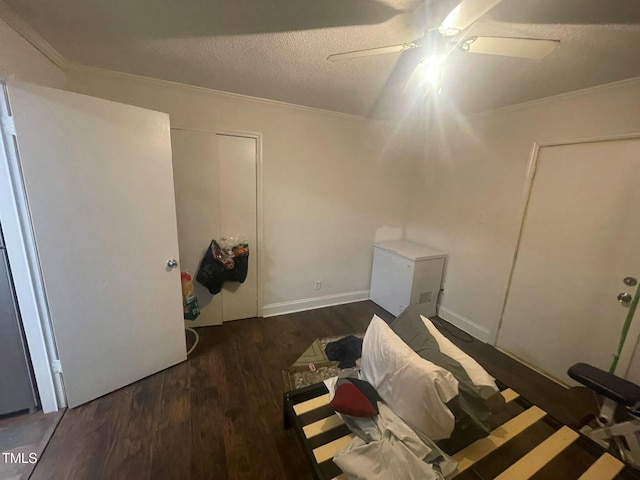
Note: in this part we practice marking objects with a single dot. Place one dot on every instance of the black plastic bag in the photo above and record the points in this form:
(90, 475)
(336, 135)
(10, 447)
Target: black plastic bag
(240, 269)
(211, 273)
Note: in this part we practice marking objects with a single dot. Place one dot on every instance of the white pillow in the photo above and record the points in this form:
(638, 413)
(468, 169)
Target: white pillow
(484, 382)
(414, 388)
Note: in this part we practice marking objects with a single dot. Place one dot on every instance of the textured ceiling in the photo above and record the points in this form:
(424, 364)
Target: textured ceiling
(277, 49)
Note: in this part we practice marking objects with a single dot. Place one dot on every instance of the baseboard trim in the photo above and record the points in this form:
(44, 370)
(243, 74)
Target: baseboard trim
(283, 308)
(472, 328)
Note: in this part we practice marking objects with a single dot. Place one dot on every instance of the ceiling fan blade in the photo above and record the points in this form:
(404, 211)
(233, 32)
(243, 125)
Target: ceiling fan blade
(372, 51)
(466, 13)
(534, 48)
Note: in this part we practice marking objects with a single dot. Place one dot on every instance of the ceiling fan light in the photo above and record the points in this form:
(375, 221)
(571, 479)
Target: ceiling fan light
(427, 72)
(433, 69)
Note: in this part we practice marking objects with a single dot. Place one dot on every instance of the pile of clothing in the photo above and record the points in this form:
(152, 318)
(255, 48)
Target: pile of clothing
(425, 390)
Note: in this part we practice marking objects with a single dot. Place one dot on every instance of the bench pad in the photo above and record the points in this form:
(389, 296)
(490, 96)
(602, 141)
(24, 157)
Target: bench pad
(617, 389)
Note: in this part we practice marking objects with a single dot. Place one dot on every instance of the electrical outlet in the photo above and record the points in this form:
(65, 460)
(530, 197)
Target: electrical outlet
(317, 286)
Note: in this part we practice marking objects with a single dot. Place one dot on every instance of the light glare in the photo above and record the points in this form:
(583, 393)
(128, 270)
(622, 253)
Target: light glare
(432, 68)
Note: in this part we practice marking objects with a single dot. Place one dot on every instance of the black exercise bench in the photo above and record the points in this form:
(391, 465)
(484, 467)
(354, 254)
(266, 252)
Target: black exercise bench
(616, 391)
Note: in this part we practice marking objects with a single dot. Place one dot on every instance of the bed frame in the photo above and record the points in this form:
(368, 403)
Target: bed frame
(322, 433)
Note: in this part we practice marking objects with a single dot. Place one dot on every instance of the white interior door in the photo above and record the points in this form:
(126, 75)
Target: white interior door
(238, 213)
(581, 237)
(99, 184)
(216, 196)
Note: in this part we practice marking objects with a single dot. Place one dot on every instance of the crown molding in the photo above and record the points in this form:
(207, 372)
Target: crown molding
(555, 98)
(87, 69)
(91, 70)
(30, 35)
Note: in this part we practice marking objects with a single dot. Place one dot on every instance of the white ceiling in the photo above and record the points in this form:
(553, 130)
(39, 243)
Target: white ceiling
(277, 49)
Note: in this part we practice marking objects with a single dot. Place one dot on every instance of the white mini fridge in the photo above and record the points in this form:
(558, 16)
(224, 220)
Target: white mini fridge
(406, 273)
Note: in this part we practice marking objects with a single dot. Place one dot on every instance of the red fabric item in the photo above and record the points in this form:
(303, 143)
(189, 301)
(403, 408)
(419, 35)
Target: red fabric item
(348, 399)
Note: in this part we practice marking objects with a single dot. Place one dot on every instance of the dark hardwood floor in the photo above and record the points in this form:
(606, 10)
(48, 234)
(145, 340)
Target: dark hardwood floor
(219, 414)
(25, 436)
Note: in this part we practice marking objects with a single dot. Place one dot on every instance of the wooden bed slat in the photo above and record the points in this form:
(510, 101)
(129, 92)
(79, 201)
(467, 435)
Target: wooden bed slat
(509, 395)
(542, 454)
(505, 432)
(605, 468)
(328, 450)
(317, 402)
(321, 426)
(322, 400)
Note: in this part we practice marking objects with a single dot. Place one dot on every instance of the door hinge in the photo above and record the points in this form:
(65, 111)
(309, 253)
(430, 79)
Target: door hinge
(8, 125)
(56, 366)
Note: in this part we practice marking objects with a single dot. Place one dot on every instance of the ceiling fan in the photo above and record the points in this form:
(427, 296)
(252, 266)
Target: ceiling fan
(449, 36)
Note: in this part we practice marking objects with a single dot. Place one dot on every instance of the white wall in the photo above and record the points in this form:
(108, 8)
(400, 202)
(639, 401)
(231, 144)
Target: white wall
(329, 181)
(20, 59)
(479, 165)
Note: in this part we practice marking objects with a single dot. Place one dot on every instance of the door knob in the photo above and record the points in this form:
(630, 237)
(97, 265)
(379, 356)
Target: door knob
(172, 263)
(624, 297)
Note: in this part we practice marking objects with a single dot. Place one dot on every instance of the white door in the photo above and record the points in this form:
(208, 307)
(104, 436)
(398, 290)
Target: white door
(580, 239)
(99, 184)
(216, 196)
(238, 214)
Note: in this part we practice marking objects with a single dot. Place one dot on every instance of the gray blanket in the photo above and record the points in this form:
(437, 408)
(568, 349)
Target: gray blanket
(468, 407)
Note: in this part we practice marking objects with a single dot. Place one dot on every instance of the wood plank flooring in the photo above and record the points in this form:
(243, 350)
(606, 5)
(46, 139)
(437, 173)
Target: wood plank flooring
(23, 436)
(216, 416)
(219, 414)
